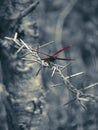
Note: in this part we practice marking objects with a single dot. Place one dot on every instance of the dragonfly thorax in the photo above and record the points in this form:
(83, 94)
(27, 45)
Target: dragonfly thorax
(51, 58)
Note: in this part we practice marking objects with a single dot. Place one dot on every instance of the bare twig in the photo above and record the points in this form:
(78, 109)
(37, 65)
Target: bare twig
(28, 10)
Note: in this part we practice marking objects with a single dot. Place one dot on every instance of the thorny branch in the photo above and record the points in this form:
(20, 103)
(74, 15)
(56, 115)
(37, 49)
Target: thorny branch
(56, 70)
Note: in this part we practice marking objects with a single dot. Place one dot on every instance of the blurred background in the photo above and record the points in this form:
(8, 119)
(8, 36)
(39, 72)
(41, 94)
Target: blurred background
(29, 102)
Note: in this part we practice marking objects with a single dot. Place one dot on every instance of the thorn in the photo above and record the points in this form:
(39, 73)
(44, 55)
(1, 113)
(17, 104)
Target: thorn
(38, 71)
(29, 48)
(65, 67)
(90, 86)
(69, 102)
(54, 69)
(46, 44)
(15, 37)
(25, 59)
(74, 75)
(19, 50)
(8, 38)
(55, 85)
(83, 106)
(25, 54)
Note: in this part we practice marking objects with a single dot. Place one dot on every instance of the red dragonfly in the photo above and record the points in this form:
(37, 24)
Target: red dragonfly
(54, 56)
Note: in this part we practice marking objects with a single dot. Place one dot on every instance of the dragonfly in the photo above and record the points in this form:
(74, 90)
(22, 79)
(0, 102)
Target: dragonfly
(53, 58)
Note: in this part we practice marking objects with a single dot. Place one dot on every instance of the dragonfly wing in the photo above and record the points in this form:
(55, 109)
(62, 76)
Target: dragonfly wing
(63, 49)
(40, 52)
(63, 58)
(45, 59)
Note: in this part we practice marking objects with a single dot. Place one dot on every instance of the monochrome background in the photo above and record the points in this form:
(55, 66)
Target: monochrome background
(28, 102)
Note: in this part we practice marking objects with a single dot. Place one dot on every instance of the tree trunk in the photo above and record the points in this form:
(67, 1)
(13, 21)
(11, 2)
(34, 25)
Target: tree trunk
(23, 105)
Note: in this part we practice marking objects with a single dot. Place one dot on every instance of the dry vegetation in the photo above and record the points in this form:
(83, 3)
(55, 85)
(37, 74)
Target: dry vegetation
(38, 94)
